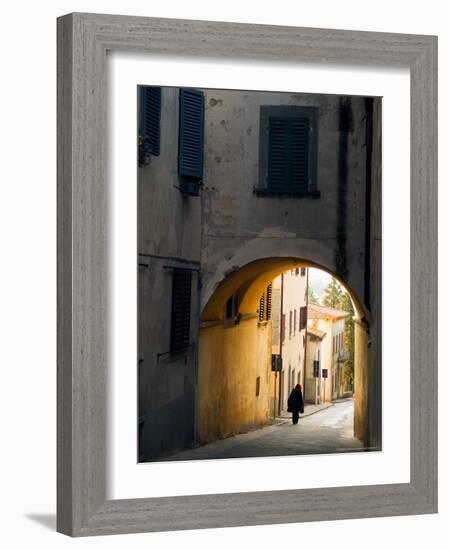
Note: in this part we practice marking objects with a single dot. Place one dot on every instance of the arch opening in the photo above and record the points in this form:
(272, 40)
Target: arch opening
(260, 336)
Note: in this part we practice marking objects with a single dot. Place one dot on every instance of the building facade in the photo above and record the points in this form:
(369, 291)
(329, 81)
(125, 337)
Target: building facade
(289, 331)
(326, 345)
(235, 188)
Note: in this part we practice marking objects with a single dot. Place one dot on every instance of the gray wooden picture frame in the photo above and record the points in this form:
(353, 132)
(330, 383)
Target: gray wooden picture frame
(83, 40)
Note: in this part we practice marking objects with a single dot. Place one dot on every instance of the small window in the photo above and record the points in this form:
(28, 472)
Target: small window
(294, 321)
(257, 386)
(283, 328)
(181, 303)
(149, 122)
(303, 318)
(290, 324)
(231, 308)
(303, 271)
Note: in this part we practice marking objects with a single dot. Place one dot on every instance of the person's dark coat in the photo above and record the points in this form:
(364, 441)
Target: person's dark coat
(295, 401)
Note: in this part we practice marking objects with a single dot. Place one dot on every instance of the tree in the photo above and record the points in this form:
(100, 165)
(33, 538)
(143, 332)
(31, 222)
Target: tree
(332, 294)
(312, 299)
(348, 368)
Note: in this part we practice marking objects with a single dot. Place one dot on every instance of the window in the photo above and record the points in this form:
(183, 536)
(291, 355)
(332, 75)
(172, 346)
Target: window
(180, 318)
(149, 122)
(283, 328)
(303, 271)
(290, 324)
(303, 318)
(257, 386)
(294, 322)
(191, 133)
(231, 310)
(288, 150)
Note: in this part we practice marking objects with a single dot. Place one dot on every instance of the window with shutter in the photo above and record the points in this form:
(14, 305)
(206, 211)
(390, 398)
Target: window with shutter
(149, 122)
(181, 303)
(191, 133)
(288, 150)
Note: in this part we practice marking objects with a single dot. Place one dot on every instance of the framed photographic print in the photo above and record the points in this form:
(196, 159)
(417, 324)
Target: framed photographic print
(236, 293)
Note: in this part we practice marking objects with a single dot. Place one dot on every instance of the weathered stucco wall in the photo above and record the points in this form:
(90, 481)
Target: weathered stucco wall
(239, 226)
(168, 237)
(340, 230)
(228, 227)
(231, 360)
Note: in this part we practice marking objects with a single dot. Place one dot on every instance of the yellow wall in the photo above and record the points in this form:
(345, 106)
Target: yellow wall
(230, 361)
(361, 389)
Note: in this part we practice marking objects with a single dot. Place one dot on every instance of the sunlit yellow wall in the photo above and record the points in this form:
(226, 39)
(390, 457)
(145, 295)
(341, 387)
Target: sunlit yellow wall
(361, 389)
(230, 361)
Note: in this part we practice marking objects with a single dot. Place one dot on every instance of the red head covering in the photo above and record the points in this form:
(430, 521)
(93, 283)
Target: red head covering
(298, 387)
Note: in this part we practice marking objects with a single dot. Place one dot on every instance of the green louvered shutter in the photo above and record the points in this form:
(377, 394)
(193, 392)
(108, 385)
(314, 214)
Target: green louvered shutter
(277, 154)
(288, 154)
(150, 119)
(299, 154)
(191, 133)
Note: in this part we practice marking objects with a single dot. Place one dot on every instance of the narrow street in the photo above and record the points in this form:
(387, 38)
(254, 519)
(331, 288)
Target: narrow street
(326, 431)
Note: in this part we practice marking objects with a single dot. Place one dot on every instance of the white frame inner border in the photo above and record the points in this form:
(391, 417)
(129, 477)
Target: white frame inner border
(125, 477)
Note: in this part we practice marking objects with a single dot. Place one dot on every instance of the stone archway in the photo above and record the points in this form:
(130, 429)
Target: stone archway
(228, 352)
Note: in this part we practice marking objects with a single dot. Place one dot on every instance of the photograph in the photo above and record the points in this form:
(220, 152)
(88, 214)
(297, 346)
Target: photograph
(259, 273)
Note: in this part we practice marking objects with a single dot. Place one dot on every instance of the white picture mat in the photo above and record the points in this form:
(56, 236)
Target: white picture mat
(126, 478)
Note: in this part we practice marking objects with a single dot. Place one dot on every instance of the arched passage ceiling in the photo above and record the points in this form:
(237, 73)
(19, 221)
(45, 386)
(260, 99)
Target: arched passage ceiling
(251, 280)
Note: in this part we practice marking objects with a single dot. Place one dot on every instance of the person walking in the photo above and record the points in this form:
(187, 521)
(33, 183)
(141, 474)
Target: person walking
(296, 403)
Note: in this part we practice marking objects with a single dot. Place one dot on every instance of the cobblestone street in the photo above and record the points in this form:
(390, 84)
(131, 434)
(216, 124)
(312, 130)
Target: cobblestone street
(326, 431)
